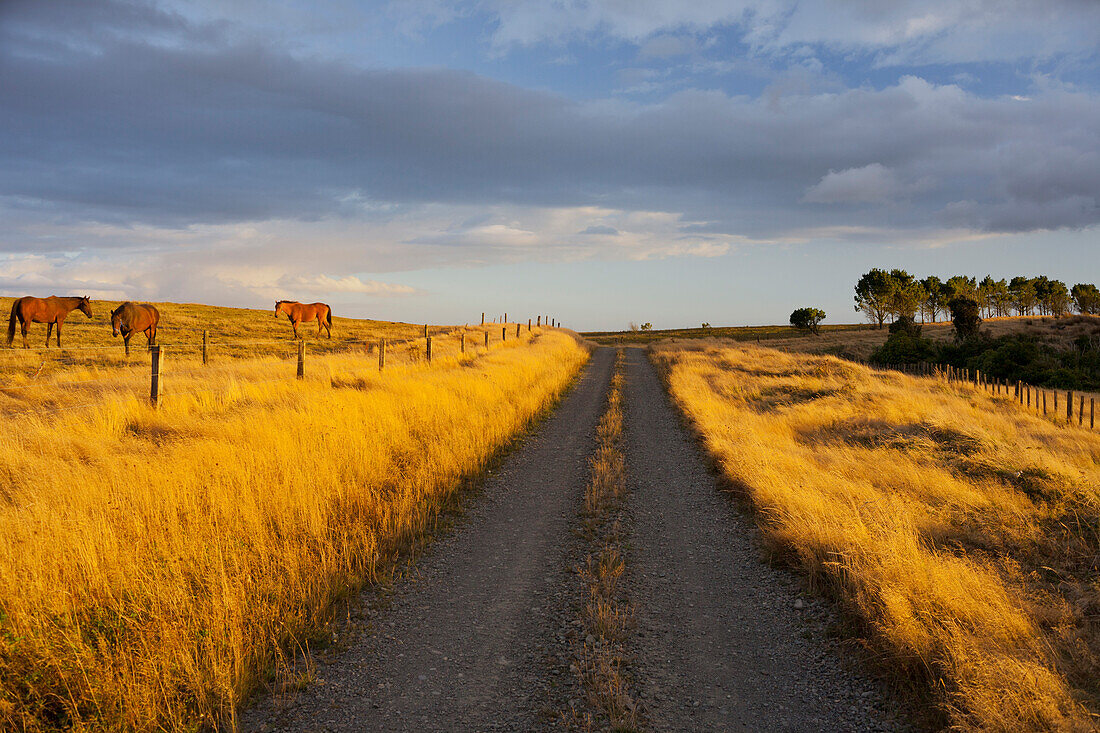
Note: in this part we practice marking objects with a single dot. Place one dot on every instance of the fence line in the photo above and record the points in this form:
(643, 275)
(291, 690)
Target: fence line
(159, 389)
(1021, 392)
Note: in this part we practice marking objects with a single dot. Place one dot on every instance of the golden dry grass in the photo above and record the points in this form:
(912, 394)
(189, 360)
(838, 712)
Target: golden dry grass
(233, 333)
(959, 530)
(608, 616)
(157, 566)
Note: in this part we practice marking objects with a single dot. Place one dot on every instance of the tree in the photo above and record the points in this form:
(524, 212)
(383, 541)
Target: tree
(705, 326)
(806, 319)
(1057, 296)
(1023, 295)
(874, 295)
(907, 299)
(1086, 298)
(960, 286)
(1043, 289)
(933, 297)
(647, 326)
(1001, 298)
(986, 289)
(965, 316)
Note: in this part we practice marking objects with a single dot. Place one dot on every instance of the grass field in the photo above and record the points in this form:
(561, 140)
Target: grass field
(158, 565)
(232, 333)
(855, 340)
(959, 531)
(733, 333)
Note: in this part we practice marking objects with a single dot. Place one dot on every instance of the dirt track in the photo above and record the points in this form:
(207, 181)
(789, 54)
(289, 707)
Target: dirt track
(478, 637)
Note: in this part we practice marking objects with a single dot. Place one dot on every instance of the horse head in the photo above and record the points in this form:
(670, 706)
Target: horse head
(278, 307)
(116, 319)
(85, 306)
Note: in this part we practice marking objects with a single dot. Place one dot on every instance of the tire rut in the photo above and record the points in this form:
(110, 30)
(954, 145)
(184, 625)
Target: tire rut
(723, 640)
(468, 640)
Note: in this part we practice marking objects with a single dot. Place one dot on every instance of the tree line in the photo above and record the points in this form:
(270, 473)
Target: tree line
(895, 294)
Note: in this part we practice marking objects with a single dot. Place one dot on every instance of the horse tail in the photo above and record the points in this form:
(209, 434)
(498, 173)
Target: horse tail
(11, 322)
(328, 317)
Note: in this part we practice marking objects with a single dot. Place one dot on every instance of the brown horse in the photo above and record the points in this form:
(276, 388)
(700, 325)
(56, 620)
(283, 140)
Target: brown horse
(130, 318)
(51, 311)
(298, 312)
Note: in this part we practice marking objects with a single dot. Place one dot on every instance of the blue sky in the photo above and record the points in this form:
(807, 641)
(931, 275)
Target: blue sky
(605, 162)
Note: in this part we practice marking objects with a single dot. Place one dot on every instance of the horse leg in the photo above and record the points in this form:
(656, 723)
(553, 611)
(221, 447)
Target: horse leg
(295, 324)
(151, 333)
(126, 340)
(49, 332)
(59, 333)
(23, 329)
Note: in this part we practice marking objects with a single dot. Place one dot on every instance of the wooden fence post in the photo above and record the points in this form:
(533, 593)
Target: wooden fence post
(483, 318)
(486, 339)
(425, 330)
(1081, 412)
(301, 358)
(1029, 396)
(1055, 403)
(381, 354)
(1044, 403)
(538, 322)
(204, 360)
(503, 334)
(1069, 407)
(505, 318)
(517, 330)
(428, 348)
(463, 336)
(528, 325)
(1092, 412)
(154, 375)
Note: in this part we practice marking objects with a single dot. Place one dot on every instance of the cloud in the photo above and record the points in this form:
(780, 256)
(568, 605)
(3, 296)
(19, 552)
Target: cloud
(872, 183)
(160, 155)
(599, 229)
(347, 284)
(903, 31)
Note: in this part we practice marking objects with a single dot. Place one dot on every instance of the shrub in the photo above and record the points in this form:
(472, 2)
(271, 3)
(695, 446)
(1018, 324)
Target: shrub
(806, 319)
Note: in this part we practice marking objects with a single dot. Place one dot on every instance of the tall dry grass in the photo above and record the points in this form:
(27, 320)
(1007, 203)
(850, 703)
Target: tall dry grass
(156, 565)
(960, 531)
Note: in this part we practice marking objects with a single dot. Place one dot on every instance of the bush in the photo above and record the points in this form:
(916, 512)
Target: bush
(806, 319)
(966, 317)
(901, 348)
(905, 325)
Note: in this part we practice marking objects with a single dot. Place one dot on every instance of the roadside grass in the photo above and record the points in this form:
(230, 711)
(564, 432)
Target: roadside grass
(960, 532)
(156, 566)
(608, 616)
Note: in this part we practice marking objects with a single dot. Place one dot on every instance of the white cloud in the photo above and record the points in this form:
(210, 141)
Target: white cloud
(874, 183)
(346, 284)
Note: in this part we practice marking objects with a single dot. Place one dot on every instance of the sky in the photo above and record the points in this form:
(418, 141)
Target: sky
(604, 162)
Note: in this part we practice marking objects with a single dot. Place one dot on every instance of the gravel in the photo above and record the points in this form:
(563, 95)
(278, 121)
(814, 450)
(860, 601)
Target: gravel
(478, 636)
(724, 641)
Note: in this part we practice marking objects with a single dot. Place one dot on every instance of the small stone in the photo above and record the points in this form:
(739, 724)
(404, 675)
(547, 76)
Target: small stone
(799, 604)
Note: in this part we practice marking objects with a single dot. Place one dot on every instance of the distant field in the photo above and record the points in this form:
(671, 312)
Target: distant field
(960, 530)
(853, 341)
(735, 333)
(158, 565)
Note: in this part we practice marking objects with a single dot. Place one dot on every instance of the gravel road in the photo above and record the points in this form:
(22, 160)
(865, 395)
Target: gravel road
(479, 636)
(721, 642)
(470, 641)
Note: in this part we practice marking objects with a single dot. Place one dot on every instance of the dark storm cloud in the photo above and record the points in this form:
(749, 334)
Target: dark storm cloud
(151, 119)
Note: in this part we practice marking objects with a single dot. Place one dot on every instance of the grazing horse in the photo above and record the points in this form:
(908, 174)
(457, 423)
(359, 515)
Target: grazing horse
(130, 318)
(51, 311)
(298, 312)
